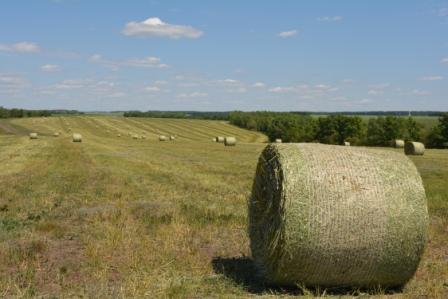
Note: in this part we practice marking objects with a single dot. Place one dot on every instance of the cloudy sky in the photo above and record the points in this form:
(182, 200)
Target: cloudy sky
(224, 55)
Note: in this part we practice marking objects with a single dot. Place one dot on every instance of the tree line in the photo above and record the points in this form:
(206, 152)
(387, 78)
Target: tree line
(338, 128)
(179, 114)
(20, 113)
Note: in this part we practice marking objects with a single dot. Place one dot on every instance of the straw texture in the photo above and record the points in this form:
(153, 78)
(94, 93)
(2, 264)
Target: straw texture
(230, 141)
(77, 137)
(398, 143)
(325, 215)
(414, 148)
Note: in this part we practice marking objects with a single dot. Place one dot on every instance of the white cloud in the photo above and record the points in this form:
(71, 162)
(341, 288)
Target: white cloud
(145, 62)
(71, 84)
(22, 47)
(443, 12)
(152, 89)
(419, 92)
(155, 27)
(375, 92)
(330, 19)
(11, 84)
(431, 78)
(258, 85)
(195, 94)
(444, 60)
(50, 68)
(281, 89)
(286, 34)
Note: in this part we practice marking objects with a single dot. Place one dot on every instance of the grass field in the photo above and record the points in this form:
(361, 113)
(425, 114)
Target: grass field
(118, 217)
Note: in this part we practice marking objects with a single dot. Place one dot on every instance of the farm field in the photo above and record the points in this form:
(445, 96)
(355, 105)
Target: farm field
(121, 217)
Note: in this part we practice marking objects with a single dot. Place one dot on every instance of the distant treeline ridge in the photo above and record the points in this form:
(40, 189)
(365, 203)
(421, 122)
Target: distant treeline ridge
(20, 113)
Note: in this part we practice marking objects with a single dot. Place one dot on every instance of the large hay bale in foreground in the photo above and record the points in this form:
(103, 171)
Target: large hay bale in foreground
(398, 143)
(220, 139)
(230, 141)
(33, 135)
(77, 137)
(414, 148)
(325, 215)
(163, 138)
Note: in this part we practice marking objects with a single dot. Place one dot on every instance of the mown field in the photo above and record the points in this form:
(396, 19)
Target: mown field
(118, 217)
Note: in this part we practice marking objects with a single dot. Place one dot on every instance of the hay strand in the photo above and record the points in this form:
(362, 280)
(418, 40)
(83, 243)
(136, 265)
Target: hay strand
(332, 216)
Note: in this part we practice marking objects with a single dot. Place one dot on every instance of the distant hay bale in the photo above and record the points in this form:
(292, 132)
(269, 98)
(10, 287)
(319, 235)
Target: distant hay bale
(398, 143)
(163, 138)
(214, 139)
(118, 135)
(33, 135)
(230, 141)
(134, 136)
(77, 137)
(414, 148)
(56, 134)
(143, 137)
(346, 143)
(332, 216)
(278, 140)
(220, 139)
(172, 138)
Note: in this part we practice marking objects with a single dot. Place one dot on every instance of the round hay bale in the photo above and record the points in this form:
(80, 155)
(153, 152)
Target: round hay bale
(56, 134)
(163, 138)
(220, 139)
(331, 216)
(414, 148)
(278, 140)
(118, 135)
(143, 137)
(77, 137)
(214, 139)
(346, 143)
(172, 138)
(230, 141)
(33, 135)
(135, 136)
(398, 143)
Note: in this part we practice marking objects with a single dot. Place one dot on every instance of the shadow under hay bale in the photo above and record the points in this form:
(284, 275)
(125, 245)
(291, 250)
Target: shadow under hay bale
(243, 271)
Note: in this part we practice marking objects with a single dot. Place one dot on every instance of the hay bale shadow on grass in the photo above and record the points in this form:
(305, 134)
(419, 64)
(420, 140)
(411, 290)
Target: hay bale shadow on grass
(243, 271)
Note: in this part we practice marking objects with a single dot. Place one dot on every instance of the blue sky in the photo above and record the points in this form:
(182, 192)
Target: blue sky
(224, 55)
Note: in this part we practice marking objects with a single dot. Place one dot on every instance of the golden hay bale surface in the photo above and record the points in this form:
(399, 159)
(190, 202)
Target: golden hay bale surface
(77, 137)
(230, 141)
(398, 143)
(163, 138)
(414, 148)
(325, 215)
(56, 134)
(278, 140)
(172, 138)
(33, 135)
(220, 139)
